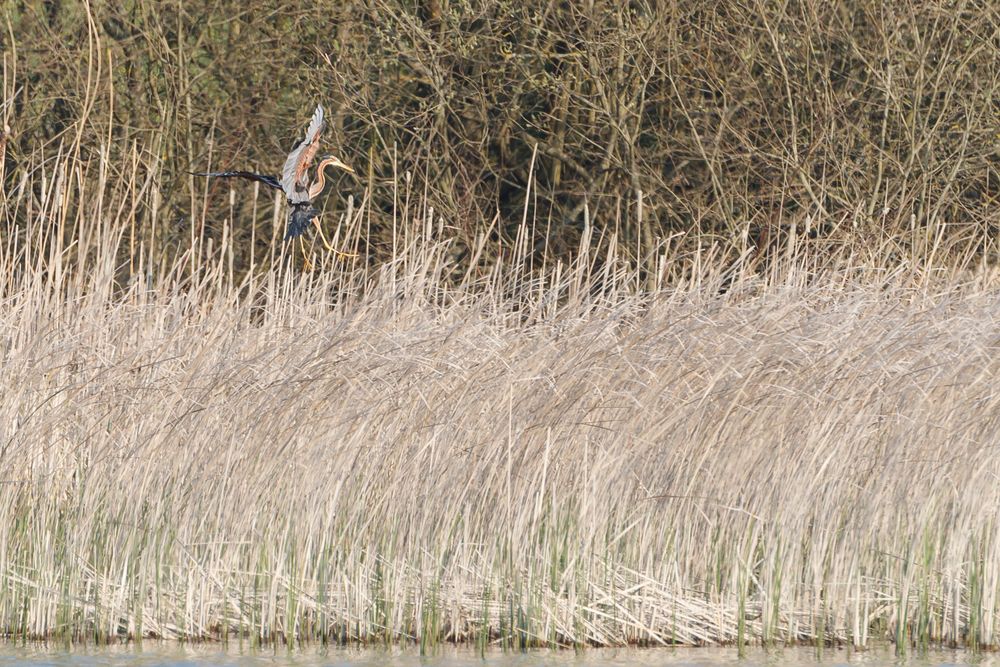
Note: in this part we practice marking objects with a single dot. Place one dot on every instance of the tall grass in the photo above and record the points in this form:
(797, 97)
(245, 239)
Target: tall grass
(500, 451)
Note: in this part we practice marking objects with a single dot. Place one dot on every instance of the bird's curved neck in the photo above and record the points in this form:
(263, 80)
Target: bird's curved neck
(317, 187)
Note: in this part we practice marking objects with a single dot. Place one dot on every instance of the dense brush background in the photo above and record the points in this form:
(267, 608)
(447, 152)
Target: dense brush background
(735, 123)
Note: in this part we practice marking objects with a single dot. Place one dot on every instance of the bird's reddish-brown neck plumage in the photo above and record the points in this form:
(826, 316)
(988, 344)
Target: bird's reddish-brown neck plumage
(320, 183)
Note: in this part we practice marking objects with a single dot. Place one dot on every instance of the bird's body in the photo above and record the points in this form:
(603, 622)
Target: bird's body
(294, 179)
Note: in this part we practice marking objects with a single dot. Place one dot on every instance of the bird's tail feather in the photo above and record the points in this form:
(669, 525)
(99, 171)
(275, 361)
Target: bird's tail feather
(299, 220)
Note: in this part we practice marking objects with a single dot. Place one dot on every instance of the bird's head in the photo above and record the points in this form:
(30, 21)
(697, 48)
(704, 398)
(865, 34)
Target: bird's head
(334, 161)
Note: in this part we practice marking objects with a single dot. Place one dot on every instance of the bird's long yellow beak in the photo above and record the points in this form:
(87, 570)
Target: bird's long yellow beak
(334, 161)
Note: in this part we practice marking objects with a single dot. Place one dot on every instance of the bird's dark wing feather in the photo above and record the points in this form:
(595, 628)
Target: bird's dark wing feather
(266, 180)
(300, 216)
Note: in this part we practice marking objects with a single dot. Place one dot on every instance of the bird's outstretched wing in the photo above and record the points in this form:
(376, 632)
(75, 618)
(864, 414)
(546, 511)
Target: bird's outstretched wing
(266, 180)
(294, 175)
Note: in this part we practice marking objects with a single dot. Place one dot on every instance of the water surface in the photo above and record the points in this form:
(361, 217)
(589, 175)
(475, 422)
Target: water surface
(174, 655)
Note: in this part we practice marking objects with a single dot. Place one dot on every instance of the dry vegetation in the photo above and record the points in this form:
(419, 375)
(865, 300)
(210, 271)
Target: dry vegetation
(560, 413)
(735, 123)
(533, 456)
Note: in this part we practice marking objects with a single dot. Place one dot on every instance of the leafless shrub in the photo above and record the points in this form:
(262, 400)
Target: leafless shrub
(734, 123)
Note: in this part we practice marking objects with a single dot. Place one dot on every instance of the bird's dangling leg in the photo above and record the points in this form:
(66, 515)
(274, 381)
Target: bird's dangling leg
(307, 264)
(326, 244)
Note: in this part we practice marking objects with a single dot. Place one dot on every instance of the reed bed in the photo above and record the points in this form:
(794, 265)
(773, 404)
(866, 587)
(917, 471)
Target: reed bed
(510, 454)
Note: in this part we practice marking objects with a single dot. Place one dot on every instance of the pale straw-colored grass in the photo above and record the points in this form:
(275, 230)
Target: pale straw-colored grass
(527, 457)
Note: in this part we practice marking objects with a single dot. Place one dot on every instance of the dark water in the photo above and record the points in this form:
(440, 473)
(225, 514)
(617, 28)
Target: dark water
(173, 655)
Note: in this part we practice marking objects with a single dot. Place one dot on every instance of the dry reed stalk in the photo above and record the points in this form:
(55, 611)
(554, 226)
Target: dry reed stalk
(531, 457)
(552, 457)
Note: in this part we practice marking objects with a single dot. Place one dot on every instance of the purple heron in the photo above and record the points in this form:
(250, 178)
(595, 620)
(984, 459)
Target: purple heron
(294, 180)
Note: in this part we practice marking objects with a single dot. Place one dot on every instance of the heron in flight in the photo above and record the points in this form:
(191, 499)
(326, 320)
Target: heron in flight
(294, 180)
